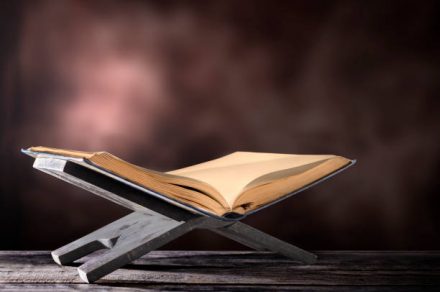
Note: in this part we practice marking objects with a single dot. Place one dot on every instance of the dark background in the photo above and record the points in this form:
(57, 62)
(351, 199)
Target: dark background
(166, 84)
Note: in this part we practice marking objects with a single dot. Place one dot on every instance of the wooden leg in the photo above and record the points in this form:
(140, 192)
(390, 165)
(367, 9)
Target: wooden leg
(136, 241)
(259, 240)
(104, 237)
(239, 238)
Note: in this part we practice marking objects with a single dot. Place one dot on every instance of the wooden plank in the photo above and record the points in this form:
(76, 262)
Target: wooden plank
(419, 260)
(177, 287)
(259, 240)
(106, 236)
(253, 269)
(135, 241)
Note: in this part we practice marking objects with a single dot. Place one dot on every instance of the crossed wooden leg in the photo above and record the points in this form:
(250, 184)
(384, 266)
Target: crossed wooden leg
(126, 240)
(139, 233)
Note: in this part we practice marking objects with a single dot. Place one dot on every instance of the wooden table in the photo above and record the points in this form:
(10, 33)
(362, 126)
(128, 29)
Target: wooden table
(225, 270)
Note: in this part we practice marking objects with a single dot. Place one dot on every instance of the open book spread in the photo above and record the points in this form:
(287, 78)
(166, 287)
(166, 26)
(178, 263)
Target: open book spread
(238, 183)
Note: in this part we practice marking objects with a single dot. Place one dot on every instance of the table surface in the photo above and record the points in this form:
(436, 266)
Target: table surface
(233, 270)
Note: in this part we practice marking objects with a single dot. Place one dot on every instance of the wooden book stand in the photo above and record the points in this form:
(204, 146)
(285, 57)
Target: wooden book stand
(153, 223)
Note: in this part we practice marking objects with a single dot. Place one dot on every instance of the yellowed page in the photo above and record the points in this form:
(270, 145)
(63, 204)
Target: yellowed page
(205, 197)
(231, 174)
(65, 152)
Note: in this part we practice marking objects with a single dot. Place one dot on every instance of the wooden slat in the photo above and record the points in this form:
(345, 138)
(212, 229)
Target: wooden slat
(244, 288)
(370, 270)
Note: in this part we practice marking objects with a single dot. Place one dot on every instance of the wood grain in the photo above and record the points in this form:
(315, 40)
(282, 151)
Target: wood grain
(244, 270)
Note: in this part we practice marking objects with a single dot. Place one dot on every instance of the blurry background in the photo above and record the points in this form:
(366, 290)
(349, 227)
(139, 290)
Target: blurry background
(165, 84)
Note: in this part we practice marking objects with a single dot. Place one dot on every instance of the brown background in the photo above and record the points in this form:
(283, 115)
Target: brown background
(171, 84)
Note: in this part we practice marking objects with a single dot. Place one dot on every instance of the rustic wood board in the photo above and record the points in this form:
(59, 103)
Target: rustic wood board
(225, 270)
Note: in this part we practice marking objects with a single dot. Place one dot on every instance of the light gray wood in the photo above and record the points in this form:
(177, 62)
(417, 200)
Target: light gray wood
(104, 237)
(258, 240)
(137, 240)
(108, 188)
(154, 223)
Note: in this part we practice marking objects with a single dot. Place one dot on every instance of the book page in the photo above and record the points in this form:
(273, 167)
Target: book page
(231, 174)
(275, 186)
(187, 190)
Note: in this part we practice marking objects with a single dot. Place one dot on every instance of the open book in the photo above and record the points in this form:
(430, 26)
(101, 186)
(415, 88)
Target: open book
(232, 185)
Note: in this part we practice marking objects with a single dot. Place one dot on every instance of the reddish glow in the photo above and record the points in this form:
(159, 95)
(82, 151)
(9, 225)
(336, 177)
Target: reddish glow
(114, 101)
